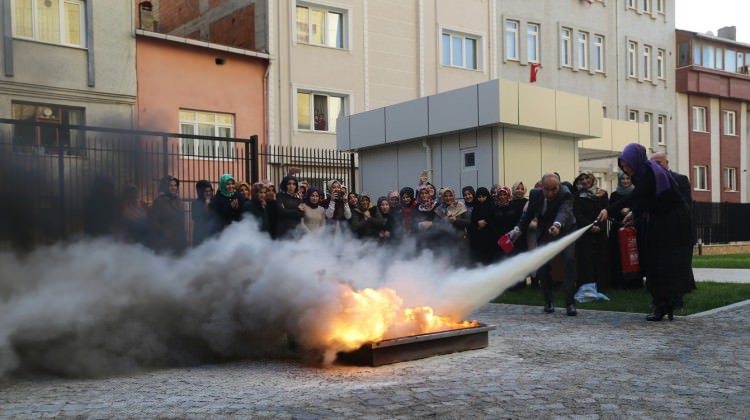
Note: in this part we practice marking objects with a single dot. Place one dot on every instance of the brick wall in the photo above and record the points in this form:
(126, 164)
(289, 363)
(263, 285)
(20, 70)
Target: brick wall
(174, 13)
(236, 29)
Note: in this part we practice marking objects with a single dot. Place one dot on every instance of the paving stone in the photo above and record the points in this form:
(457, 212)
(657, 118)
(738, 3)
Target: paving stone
(600, 365)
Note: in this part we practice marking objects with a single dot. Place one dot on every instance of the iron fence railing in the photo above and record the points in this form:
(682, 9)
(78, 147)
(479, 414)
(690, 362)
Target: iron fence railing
(721, 222)
(52, 175)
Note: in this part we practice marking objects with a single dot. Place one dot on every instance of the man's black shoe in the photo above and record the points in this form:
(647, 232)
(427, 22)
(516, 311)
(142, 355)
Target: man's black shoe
(571, 310)
(549, 308)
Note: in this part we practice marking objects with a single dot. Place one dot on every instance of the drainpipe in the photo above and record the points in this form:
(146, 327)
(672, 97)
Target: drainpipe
(428, 159)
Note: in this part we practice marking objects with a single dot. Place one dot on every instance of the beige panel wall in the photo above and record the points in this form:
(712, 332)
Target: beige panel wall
(595, 117)
(508, 102)
(572, 112)
(536, 107)
(521, 157)
(604, 142)
(559, 155)
(623, 132)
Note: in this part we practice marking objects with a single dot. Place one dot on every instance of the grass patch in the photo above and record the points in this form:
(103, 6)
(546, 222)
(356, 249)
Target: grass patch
(707, 296)
(722, 261)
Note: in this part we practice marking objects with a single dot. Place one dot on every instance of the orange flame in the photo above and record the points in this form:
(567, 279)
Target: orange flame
(371, 315)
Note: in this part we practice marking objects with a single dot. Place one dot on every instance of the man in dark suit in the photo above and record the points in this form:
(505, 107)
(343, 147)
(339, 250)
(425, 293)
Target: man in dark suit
(683, 185)
(552, 207)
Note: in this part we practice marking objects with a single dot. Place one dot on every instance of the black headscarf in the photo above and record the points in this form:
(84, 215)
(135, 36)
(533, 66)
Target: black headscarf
(200, 186)
(164, 184)
(282, 184)
(309, 193)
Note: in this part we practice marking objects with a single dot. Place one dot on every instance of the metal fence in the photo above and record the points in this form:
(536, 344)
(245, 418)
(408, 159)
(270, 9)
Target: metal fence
(54, 177)
(721, 222)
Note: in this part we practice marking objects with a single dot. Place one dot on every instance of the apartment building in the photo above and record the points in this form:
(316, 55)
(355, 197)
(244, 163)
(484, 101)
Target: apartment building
(713, 93)
(339, 58)
(66, 62)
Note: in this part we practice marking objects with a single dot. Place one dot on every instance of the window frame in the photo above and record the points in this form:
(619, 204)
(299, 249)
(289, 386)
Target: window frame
(536, 37)
(464, 37)
(646, 55)
(330, 123)
(699, 128)
(646, 6)
(660, 64)
(700, 175)
(198, 143)
(632, 60)
(659, 6)
(62, 22)
(516, 40)
(631, 4)
(725, 113)
(598, 46)
(325, 10)
(582, 50)
(730, 179)
(77, 149)
(633, 115)
(566, 47)
(464, 154)
(661, 129)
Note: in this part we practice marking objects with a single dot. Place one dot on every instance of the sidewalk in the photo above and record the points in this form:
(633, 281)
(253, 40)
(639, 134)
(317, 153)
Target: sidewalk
(722, 275)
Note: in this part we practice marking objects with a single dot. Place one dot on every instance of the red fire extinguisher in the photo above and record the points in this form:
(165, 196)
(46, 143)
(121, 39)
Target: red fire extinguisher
(626, 238)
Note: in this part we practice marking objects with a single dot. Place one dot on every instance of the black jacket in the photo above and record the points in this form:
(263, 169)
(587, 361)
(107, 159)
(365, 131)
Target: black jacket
(559, 210)
(288, 214)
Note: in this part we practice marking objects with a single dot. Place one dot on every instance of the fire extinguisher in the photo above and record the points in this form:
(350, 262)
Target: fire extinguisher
(626, 238)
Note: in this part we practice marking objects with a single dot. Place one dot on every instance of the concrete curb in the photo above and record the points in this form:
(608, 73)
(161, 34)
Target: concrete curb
(720, 309)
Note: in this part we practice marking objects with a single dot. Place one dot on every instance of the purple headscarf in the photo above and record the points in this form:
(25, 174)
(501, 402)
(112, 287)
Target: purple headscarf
(634, 155)
(309, 194)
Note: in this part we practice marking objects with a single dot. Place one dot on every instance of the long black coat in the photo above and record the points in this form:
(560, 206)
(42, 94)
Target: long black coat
(288, 214)
(483, 242)
(167, 220)
(224, 213)
(664, 254)
(591, 249)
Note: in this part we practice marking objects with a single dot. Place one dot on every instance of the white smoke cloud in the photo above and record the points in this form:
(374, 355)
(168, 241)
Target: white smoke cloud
(97, 307)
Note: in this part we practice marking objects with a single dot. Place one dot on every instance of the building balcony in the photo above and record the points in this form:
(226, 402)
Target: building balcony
(710, 82)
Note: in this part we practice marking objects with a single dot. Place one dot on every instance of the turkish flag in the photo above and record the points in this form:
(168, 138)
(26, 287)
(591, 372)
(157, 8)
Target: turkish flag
(533, 70)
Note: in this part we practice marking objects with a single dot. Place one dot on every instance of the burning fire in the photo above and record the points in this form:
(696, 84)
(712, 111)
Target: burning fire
(371, 315)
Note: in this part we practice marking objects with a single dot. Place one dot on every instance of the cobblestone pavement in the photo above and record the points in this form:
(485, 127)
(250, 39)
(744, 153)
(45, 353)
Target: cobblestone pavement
(596, 365)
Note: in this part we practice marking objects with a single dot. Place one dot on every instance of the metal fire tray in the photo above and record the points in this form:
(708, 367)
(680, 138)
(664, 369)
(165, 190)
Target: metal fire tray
(401, 349)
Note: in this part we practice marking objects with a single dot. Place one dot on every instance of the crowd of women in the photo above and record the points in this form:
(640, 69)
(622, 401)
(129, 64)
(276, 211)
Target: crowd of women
(463, 226)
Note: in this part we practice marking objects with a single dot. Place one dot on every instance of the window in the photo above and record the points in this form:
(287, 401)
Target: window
(633, 115)
(660, 6)
(211, 124)
(459, 51)
(730, 60)
(320, 26)
(701, 177)
(647, 117)
(719, 58)
(470, 160)
(318, 111)
(730, 179)
(646, 62)
(708, 56)
(597, 56)
(729, 120)
(646, 6)
(54, 21)
(582, 47)
(565, 47)
(632, 59)
(699, 119)
(740, 62)
(631, 4)
(47, 138)
(511, 40)
(696, 53)
(661, 121)
(532, 42)
(660, 73)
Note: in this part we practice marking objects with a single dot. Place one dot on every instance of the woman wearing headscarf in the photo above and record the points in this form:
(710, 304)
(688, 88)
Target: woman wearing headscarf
(259, 207)
(408, 208)
(481, 230)
(167, 218)
(244, 191)
(592, 258)
(631, 281)
(425, 214)
(468, 193)
(289, 208)
(336, 206)
(452, 213)
(204, 218)
(314, 214)
(657, 202)
(387, 232)
(366, 219)
(227, 203)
